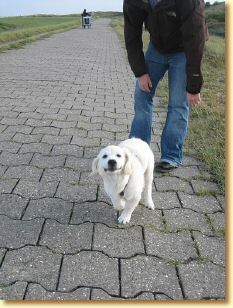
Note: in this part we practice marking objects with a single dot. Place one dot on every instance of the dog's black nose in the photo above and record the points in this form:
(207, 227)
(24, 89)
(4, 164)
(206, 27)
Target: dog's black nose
(112, 162)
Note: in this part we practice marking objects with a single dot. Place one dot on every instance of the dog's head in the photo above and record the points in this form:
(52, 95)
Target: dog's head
(112, 160)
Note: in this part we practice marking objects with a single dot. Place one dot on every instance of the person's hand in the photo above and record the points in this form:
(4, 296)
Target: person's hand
(193, 99)
(145, 83)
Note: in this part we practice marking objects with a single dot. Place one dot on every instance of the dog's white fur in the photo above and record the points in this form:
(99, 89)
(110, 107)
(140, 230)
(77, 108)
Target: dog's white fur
(133, 174)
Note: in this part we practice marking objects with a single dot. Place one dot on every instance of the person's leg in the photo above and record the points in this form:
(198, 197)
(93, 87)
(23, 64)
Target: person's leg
(175, 129)
(143, 101)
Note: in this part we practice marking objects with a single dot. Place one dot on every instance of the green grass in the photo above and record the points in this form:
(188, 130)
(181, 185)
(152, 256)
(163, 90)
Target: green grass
(17, 31)
(216, 19)
(207, 122)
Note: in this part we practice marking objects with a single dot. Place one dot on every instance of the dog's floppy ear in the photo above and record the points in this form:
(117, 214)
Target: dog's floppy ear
(95, 165)
(127, 170)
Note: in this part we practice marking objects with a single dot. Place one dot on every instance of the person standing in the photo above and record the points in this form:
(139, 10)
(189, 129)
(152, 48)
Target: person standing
(178, 32)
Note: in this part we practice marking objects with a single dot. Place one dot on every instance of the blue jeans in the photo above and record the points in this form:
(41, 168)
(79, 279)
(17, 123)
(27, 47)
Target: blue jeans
(175, 129)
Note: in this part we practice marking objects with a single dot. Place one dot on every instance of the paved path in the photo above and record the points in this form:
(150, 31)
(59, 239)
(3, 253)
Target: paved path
(61, 100)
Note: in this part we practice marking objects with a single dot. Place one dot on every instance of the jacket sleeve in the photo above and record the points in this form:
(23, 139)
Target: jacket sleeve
(194, 34)
(134, 17)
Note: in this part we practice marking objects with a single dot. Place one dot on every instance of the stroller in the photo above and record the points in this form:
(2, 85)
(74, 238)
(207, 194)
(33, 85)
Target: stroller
(86, 19)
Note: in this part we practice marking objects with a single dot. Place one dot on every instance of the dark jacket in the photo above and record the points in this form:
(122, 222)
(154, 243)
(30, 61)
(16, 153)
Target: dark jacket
(174, 25)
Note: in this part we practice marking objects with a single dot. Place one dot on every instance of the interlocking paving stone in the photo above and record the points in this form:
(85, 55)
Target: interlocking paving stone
(12, 205)
(41, 148)
(145, 217)
(87, 178)
(79, 164)
(17, 233)
(56, 139)
(101, 295)
(222, 201)
(85, 142)
(88, 126)
(76, 193)
(166, 183)
(208, 186)
(211, 247)
(91, 152)
(64, 124)
(47, 110)
(165, 200)
(73, 132)
(23, 172)
(115, 128)
(218, 221)
(35, 190)
(94, 212)
(30, 115)
(143, 273)
(6, 136)
(19, 129)
(44, 161)
(186, 172)
(89, 268)
(9, 121)
(170, 246)
(68, 149)
(22, 138)
(49, 208)
(37, 264)
(101, 134)
(37, 292)
(186, 219)
(61, 174)
(13, 292)
(191, 161)
(9, 146)
(52, 116)
(101, 120)
(6, 186)
(120, 243)
(46, 131)
(206, 204)
(2, 253)
(161, 297)
(66, 238)
(202, 280)
(2, 127)
(10, 159)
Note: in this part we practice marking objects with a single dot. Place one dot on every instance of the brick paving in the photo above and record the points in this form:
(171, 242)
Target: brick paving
(61, 100)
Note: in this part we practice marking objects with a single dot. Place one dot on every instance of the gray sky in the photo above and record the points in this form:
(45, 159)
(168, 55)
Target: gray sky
(29, 7)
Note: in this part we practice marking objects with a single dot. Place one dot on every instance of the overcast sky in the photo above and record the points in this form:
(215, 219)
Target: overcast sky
(29, 7)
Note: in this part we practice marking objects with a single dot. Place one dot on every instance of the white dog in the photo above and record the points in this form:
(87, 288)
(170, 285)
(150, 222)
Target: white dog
(127, 172)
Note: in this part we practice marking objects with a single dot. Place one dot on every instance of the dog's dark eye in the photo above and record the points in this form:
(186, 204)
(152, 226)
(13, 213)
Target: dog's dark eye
(105, 156)
(118, 155)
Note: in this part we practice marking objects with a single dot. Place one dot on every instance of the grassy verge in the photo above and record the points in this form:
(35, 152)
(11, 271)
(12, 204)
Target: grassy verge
(207, 122)
(17, 31)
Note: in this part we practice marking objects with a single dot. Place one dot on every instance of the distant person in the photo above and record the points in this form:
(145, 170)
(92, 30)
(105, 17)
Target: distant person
(177, 37)
(85, 13)
(86, 19)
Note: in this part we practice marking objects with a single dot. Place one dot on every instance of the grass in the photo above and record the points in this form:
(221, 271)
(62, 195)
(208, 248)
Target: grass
(207, 122)
(17, 31)
(216, 18)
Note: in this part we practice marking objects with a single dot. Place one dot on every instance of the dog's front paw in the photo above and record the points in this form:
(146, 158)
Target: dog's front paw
(119, 206)
(150, 205)
(124, 218)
